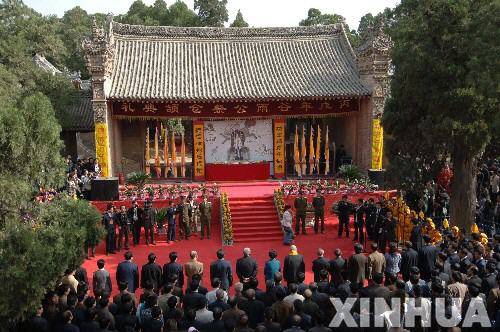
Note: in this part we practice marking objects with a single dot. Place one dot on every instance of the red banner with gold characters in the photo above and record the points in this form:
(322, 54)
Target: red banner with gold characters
(279, 148)
(101, 147)
(212, 110)
(198, 150)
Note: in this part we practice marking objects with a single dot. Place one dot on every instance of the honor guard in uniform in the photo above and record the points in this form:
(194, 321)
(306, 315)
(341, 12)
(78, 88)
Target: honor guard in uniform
(192, 210)
(149, 222)
(359, 212)
(205, 217)
(124, 224)
(135, 215)
(344, 209)
(183, 210)
(319, 211)
(300, 205)
(171, 212)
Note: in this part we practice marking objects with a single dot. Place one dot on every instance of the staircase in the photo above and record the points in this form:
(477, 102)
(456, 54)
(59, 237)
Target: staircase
(254, 219)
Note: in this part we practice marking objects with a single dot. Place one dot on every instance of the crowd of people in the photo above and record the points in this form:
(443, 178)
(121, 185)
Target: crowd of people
(79, 176)
(462, 272)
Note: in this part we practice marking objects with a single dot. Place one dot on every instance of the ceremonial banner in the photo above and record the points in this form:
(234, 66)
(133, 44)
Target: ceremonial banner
(377, 144)
(264, 109)
(198, 150)
(327, 152)
(296, 153)
(303, 162)
(147, 156)
(311, 151)
(279, 148)
(101, 147)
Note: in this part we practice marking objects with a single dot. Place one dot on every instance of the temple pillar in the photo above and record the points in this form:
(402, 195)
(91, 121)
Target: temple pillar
(373, 58)
(99, 60)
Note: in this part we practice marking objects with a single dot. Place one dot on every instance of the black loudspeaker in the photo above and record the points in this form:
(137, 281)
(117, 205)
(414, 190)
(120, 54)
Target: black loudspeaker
(105, 189)
(377, 176)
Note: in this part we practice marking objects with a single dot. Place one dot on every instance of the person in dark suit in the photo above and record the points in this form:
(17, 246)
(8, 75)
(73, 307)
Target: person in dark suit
(128, 272)
(337, 268)
(246, 267)
(319, 211)
(192, 297)
(416, 235)
(343, 211)
(427, 258)
(149, 222)
(370, 217)
(357, 266)
(173, 269)
(359, 223)
(390, 225)
(253, 308)
(376, 290)
(151, 272)
(135, 215)
(124, 228)
(293, 264)
(222, 269)
(171, 211)
(490, 278)
(108, 220)
(464, 260)
(320, 264)
(409, 258)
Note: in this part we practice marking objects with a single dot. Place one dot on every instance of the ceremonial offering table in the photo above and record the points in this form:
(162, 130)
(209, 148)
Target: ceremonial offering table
(237, 171)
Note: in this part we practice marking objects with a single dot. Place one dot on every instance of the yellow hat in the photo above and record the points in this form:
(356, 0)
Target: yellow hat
(421, 215)
(474, 228)
(446, 224)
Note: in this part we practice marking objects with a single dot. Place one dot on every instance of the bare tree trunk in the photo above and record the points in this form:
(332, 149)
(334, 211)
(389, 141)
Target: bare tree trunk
(463, 190)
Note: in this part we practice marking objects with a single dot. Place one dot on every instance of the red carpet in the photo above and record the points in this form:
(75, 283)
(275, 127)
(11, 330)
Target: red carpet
(254, 219)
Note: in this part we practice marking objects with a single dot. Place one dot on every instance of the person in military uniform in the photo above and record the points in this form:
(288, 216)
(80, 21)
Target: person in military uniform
(300, 205)
(344, 209)
(192, 210)
(370, 218)
(319, 211)
(205, 217)
(124, 228)
(149, 222)
(359, 212)
(183, 211)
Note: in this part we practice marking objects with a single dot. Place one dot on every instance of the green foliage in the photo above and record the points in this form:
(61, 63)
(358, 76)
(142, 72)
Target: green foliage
(239, 21)
(36, 250)
(444, 97)
(315, 17)
(175, 125)
(351, 173)
(137, 179)
(212, 13)
(178, 14)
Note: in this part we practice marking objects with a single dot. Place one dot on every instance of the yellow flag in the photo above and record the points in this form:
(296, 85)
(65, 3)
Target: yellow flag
(318, 149)
(377, 144)
(146, 155)
(157, 155)
(311, 151)
(174, 156)
(327, 152)
(303, 162)
(183, 156)
(165, 151)
(296, 153)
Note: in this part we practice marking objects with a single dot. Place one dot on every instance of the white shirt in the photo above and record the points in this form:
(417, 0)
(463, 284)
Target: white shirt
(292, 297)
(287, 219)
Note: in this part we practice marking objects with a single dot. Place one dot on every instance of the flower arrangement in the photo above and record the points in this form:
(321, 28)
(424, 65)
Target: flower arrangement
(170, 191)
(227, 225)
(279, 201)
(328, 186)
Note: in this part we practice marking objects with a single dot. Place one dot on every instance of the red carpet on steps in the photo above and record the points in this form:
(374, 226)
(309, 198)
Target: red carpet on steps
(254, 219)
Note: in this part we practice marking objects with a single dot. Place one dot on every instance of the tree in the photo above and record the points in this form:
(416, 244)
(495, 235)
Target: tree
(181, 16)
(315, 17)
(239, 21)
(212, 13)
(444, 91)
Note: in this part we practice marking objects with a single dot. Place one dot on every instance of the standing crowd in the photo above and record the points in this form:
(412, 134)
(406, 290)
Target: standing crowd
(189, 297)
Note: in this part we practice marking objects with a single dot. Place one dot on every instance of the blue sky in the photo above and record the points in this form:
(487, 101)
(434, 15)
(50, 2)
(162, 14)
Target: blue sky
(258, 13)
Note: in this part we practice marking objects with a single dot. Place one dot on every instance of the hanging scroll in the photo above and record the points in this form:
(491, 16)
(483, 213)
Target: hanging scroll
(198, 150)
(279, 148)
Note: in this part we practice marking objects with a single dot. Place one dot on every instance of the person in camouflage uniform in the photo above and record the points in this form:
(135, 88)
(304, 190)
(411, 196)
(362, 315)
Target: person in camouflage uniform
(183, 211)
(300, 205)
(205, 217)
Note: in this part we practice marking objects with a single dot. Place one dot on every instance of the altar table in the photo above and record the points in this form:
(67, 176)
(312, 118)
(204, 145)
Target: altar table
(237, 172)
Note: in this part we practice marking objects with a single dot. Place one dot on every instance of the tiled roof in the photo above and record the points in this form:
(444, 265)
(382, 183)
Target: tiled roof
(45, 64)
(80, 117)
(172, 63)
